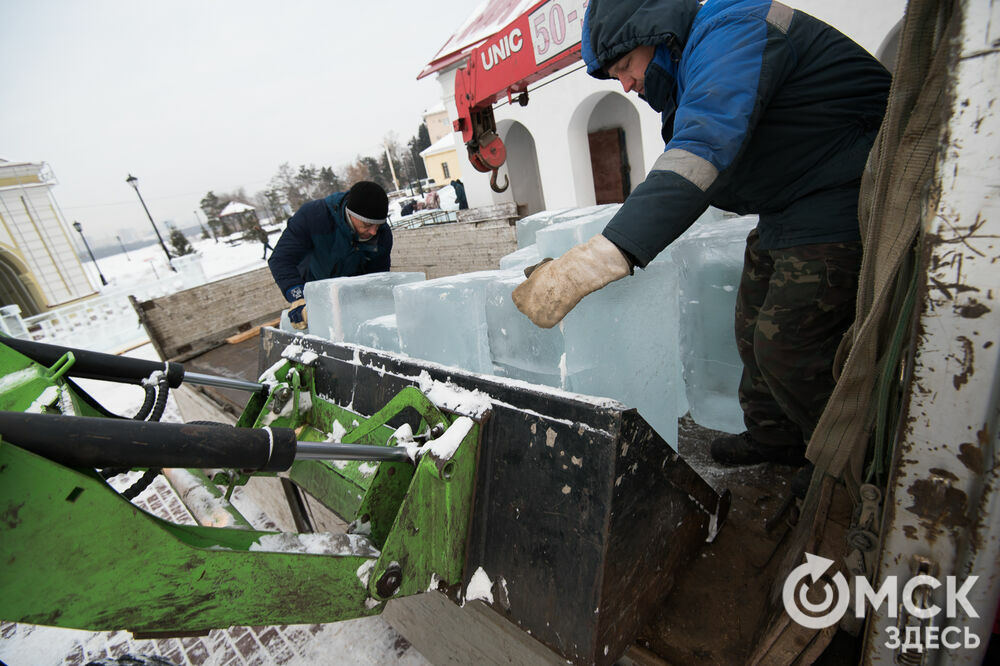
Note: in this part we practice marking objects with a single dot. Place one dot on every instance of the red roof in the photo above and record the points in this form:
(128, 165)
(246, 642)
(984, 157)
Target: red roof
(486, 20)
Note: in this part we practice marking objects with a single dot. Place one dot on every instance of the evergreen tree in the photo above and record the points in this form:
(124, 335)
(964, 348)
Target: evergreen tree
(212, 205)
(329, 181)
(179, 242)
(376, 172)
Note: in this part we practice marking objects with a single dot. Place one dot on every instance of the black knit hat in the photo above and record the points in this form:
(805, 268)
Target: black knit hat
(368, 201)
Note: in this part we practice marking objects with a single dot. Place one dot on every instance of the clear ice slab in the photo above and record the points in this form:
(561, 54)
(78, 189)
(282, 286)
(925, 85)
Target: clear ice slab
(338, 306)
(572, 228)
(709, 256)
(527, 227)
(380, 333)
(518, 348)
(622, 342)
(520, 259)
(444, 320)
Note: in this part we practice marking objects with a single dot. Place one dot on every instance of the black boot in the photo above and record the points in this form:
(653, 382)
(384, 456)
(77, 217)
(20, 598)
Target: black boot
(742, 449)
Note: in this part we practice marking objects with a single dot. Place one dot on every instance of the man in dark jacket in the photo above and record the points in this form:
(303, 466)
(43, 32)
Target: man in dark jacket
(341, 235)
(765, 110)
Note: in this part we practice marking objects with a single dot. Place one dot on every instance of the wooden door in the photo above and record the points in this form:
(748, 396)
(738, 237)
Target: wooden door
(609, 163)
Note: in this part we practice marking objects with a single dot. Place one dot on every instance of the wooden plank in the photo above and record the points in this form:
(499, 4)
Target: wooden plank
(500, 211)
(252, 333)
(451, 635)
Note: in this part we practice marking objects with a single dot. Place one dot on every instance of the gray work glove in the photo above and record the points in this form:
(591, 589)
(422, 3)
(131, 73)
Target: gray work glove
(554, 287)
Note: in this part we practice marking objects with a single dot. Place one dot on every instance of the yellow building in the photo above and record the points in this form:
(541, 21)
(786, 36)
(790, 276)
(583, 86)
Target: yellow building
(39, 266)
(441, 161)
(441, 157)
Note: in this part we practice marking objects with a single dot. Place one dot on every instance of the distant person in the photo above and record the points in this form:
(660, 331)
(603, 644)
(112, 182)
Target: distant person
(341, 235)
(463, 203)
(258, 233)
(432, 201)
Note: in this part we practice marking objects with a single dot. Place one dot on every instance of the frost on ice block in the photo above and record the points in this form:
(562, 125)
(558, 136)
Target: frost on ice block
(710, 259)
(572, 228)
(520, 349)
(621, 343)
(338, 306)
(444, 320)
(380, 333)
(527, 227)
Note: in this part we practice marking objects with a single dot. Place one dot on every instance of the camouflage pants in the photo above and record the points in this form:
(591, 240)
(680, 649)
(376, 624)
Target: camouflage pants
(792, 309)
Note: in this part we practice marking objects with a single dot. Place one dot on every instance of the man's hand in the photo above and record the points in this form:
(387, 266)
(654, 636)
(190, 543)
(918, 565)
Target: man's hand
(298, 316)
(554, 287)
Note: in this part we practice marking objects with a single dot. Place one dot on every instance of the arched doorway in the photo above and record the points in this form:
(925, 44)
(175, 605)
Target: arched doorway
(605, 143)
(521, 168)
(13, 290)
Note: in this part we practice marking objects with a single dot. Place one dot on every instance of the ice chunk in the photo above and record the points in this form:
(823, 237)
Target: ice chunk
(520, 349)
(286, 324)
(526, 256)
(338, 306)
(527, 227)
(622, 342)
(380, 333)
(710, 258)
(573, 228)
(444, 320)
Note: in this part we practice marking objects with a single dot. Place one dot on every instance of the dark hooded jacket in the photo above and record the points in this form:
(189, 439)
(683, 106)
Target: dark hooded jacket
(319, 242)
(765, 110)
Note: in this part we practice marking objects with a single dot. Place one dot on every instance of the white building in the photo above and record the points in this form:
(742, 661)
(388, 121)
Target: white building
(581, 141)
(39, 266)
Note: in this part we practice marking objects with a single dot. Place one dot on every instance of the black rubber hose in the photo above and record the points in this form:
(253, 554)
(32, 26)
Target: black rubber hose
(141, 484)
(85, 441)
(96, 365)
(147, 404)
(162, 392)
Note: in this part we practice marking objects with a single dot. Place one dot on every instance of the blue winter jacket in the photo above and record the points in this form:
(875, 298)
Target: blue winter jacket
(319, 242)
(765, 110)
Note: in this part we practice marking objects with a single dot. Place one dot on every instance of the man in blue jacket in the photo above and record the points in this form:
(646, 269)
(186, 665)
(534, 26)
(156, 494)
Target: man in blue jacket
(764, 110)
(341, 235)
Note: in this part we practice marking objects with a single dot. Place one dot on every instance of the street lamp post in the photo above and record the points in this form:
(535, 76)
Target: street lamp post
(134, 182)
(123, 247)
(79, 229)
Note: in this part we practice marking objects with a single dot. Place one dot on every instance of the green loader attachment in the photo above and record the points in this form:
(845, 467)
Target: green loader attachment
(566, 514)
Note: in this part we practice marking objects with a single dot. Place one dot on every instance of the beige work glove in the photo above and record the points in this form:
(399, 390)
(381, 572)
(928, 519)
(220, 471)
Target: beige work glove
(297, 315)
(554, 287)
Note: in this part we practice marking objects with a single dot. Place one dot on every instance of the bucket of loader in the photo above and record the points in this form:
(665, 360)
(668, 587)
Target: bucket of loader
(580, 516)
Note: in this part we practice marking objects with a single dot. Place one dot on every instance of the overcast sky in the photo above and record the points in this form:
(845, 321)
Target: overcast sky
(198, 95)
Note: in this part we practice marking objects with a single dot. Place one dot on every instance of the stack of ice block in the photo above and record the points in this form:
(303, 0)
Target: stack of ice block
(338, 306)
(444, 320)
(518, 348)
(572, 228)
(622, 342)
(710, 258)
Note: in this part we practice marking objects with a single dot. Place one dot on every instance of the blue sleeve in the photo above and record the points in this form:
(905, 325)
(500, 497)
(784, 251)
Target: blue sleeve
(292, 247)
(728, 74)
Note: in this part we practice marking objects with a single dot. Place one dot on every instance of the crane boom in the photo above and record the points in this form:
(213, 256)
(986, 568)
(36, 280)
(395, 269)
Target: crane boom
(542, 40)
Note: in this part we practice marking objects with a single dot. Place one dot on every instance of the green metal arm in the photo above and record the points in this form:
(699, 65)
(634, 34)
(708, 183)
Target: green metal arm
(76, 554)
